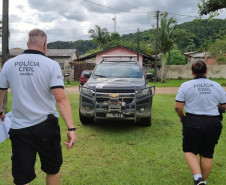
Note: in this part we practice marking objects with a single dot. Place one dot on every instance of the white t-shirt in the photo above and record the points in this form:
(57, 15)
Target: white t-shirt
(31, 76)
(201, 96)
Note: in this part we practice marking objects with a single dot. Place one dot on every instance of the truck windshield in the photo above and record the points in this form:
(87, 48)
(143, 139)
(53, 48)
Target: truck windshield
(115, 70)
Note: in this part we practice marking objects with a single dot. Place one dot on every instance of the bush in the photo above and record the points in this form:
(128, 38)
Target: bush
(152, 71)
(176, 58)
(180, 78)
(221, 59)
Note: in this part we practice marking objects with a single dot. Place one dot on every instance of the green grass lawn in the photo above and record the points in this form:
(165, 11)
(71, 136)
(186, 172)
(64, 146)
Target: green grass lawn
(177, 83)
(124, 153)
(71, 83)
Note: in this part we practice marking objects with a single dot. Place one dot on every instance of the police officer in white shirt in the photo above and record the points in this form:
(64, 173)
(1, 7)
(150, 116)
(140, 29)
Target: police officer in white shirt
(202, 126)
(36, 84)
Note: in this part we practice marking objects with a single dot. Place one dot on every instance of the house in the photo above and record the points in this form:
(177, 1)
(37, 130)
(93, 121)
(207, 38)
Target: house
(62, 56)
(117, 51)
(191, 57)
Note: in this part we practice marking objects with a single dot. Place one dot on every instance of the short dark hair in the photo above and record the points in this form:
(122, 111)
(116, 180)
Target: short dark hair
(199, 68)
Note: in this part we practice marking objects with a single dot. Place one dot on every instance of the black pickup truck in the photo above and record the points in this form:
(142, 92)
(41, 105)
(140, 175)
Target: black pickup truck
(117, 90)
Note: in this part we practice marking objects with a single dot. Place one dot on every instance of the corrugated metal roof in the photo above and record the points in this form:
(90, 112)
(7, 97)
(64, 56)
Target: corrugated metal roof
(191, 53)
(60, 52)
(201, 55)
(94, 54)
(196, 54)
(15, 51)
(49, 53)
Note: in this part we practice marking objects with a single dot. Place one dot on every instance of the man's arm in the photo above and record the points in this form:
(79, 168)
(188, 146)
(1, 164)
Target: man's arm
(2, 93)
(66, 113)
(179, 107)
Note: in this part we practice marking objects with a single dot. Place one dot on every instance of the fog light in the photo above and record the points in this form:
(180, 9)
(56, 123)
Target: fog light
(87, 108)
(123, 104)
(141, 109)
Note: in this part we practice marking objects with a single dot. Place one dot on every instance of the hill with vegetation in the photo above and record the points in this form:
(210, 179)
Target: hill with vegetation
(196, 35)
(82, 46)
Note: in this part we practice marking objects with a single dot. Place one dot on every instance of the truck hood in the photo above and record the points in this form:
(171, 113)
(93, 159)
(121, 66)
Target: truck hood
(100, 83)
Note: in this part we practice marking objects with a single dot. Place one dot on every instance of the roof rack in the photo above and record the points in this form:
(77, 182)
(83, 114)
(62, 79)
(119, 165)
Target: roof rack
(119, 58)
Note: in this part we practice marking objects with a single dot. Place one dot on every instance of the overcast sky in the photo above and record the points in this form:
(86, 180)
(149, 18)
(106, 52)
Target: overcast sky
(70, 20)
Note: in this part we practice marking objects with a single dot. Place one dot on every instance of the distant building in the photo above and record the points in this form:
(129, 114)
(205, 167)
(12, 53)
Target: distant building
(79, 65)
(62, 56)
(117, 50)
(192, 57)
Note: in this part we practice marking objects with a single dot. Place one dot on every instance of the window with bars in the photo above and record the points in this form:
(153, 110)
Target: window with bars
(61, 65)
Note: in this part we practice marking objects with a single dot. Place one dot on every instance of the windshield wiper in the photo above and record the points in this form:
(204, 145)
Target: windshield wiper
(100, 75)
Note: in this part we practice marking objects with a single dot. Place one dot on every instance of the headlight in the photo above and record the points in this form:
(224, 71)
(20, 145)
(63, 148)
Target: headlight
(87, 92)
(143, 92)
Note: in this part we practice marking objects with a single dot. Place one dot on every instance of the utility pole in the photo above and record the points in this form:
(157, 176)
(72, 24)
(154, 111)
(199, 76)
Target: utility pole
(114, 19)
(156, 45)
(5, 41)
(138, 44)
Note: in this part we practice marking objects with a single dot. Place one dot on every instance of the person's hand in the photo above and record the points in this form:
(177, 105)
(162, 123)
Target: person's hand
(181, 118)
(2, 117)
(71, 139)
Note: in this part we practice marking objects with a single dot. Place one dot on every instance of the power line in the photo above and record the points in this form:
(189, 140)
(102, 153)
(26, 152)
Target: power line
(114, 8)
(66, 30)
(182, 15)
(128, 4)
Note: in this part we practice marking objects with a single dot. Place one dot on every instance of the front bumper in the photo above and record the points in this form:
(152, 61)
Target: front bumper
(121, 104)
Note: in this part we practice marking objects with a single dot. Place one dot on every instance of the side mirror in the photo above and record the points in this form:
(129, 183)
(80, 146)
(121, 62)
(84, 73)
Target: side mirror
(150, 76)
(87, 75)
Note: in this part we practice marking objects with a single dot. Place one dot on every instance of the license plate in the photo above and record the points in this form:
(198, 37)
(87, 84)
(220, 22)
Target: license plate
(114, 115)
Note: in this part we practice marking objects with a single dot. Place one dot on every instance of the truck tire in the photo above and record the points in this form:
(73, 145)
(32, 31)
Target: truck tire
(145, 122)
(85, 120)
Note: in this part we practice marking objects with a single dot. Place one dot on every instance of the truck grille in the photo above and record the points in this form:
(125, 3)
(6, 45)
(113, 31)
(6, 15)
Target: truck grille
(127, 100)
(122, 95)
(115, 90)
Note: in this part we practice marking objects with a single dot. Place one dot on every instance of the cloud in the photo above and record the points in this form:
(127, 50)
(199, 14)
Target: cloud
(14, 18)
(69, 9)
(20, 7)
(70, 20)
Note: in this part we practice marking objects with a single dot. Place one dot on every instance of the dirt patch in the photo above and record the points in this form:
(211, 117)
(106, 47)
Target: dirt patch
(166, 90)
(72, 90)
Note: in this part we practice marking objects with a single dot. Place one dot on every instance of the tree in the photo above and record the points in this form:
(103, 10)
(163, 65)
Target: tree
(115, 36)
(99, 35)
(184, 40)
(218, 51)
(166, 40)
(82, 46)
(211, 6)
(204, 48)
(176, 58)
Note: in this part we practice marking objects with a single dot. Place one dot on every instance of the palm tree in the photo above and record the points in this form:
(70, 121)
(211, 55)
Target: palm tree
(166, 40)
(204, 48)
(99, 35)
